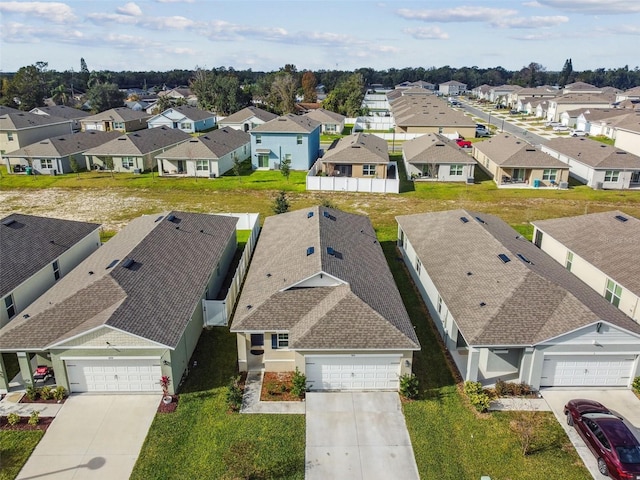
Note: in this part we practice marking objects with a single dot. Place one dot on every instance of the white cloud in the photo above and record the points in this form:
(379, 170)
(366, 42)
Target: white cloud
(13, 32)
(457, 14)
(427, 33)
(130, 9)
(604, 7)
(531, 22)
(174, 1)
(55, 12)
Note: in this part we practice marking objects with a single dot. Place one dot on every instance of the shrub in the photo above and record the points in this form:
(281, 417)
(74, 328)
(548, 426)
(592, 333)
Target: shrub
(32, 393)
(501, 388)
(504, 389)
(46, 392)
(59, 393)
(34, 418)
(272, 387)
(409, 386)
(13, 418)
(298, 384)
(636, 385)
(477, 396)
(234, 394)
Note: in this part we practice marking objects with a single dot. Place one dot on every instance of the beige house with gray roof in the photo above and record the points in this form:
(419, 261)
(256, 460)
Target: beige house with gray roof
(122, 119)
(428, 113)
(512, 162)
(507, 310)
(358, 155)
(436, 158)
(332, 122)
(18, 128)
(601, 249)
(246, 119)
(319, 296)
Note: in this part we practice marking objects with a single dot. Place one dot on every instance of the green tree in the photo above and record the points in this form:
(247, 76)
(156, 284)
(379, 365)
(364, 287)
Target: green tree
(346, 98)
(565, 75)
(281, 203)
(283, 92)
(75, 166)
(108, 163)
(162, 104)
(28, 86)
(237, 167)
(59, 95)
(220, 92)
(285, 167)
(103, 96)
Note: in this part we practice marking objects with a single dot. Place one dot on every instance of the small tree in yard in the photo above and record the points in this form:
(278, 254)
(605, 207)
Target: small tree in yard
(527, 425)
(285, 167)
(108, 163)
(234, 394)
(281, 203)
(409, 386)
(75, 166)
(237, 165)
(298, 384)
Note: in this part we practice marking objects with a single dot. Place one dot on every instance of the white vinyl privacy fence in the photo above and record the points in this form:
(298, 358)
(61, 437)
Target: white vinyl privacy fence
(353, 184)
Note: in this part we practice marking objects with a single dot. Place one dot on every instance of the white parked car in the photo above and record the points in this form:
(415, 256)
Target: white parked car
(579, 133)
(560, 128)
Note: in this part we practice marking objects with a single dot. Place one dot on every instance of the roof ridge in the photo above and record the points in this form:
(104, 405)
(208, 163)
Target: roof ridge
(316, 313)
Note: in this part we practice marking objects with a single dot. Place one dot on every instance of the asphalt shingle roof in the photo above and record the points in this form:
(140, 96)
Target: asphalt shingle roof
(434, 148)
(141, 142)
(30, 243)
(120, 114)
(247, 113)
(362, 309)
(358, 148)
(593, 153)
(64, 145)
(509, 151)
(12, 119)
(288, 124)
(215, 144)
(325, 116)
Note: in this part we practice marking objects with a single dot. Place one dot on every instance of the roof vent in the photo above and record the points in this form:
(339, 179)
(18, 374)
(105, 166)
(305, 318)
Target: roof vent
(122, 138)
(620, 218)
(504, 258)
(331, 251)
(480, 220)
(310, 251)
(524, 259)
(128, 263)
(8, 222)
(171, 217)
(464, 219)
(112, 264)
(482, 304)
(310, 214)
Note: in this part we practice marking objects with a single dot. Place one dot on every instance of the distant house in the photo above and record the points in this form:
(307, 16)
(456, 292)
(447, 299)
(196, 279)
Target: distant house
(62, 111)
(180, 93)
(573, 101)
(435, 157)
(332, 122)
(418, 84)
(601, 121)
(209, 155)
(596, 164)
(580, 87)
(36, 253)
(247, 119)
(135, 152)
(122, 119)
(515, 163)
(53, 155)
(426, 113)
(132, 311)
(452, 87)
(506, 310)
(293, 137)
(597, 248)
(319, 296)
(628, 135)
(186, 118)
(18, 128)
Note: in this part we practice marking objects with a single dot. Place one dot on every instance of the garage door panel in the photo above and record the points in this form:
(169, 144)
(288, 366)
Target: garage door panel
(117, 375)
(359, 372)
(563, 371)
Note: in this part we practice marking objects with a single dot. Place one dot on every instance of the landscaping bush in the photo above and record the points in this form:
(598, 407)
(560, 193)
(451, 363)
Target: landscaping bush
(46, 392)
(34, 418)
(234, 394)
(299, 384)
(13, 418)
(32, 393)
(505, 389)
(273, 387)
(636, 385)
(477, 396)
(59, 393)
(409, 386)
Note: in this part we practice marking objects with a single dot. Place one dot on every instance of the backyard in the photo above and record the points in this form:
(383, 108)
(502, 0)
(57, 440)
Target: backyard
(449, 439)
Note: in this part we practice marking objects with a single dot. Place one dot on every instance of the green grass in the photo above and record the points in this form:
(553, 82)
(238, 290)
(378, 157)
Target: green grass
(15, 448)
(190, 443)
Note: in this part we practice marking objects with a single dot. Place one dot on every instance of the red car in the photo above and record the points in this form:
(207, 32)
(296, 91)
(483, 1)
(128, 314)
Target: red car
(463, 143)
(608, 438)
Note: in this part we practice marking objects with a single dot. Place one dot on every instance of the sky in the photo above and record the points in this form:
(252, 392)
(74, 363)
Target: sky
(319, 34)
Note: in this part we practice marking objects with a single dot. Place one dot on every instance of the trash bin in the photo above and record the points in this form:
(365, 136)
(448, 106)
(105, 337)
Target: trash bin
(536, 183)
(54, 172)
(29, 171)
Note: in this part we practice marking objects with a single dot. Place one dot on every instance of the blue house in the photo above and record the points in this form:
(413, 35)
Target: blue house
(290, 136)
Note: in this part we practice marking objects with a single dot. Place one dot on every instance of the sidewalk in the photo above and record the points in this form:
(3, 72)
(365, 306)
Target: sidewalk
(11, 404)
(251, 399)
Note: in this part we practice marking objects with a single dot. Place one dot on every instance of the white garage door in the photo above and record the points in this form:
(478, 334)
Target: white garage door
(357, 372)
(587, 370)
(114, 375)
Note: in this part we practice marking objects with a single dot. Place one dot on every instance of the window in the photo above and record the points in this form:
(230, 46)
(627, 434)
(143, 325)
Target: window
(538, 239)
(185, 126)
(10, 136)
(550, 174)
(10, 306)
(202, 165)
(299, 139)
(611, 175)
(603, 440)
(127, 162)
(368, 169)
(279, 340)
(258, 139)
(456, 169)
(263, 160)
(118, 125)
(46, 163)
(439, 304)
(418, 266)
(330, 127)
(613, 293)
(569, 260)
(56, 270)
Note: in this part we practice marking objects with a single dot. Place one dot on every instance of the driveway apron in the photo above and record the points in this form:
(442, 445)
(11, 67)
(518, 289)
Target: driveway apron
(357, 436)
(93, 437)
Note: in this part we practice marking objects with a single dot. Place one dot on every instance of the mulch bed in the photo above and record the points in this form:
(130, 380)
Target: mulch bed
(169, 407)
(276, 387)
(43, 424)
(24, 399)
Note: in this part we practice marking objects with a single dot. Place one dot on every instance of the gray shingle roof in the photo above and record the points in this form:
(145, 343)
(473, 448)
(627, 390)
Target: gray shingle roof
(325, 116)
(64, 145)
(153, 299)
(496, 303)
(434, 148)
(31, 243)
(120, 114)
(141, 142)
(288, 124)
(358, 148)
(509, 151)
(246, 113)
(612, 246)
(593, 153)
(190, 113)
(12, 119)
(324, 316)
(62, 111)
(427, 111)
(215, 144)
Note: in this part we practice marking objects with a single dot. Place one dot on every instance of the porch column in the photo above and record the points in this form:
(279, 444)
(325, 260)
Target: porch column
(4, 381)
(25, 368)
(473, 363)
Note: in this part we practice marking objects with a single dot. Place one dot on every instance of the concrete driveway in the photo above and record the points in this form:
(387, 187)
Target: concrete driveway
(620, 401)
(357, 436)
(93, 437)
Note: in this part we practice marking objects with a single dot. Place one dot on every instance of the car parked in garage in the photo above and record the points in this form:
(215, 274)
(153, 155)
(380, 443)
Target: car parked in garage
(608, 438)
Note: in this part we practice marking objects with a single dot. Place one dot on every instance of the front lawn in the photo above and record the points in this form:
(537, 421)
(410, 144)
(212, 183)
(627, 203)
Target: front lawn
(15, 448)
(195, 442)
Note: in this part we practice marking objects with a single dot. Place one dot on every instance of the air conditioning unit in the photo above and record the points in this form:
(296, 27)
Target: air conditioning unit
(563, 185)
(598, 186)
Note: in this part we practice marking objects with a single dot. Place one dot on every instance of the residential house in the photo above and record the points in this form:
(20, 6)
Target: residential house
(305, 107)
(452, 87)
(319, 296)
(512, 162)
(581, 87)
(184, 94)
(429, 114)
(517, 95)
(186, 118)
(54, 155)
(481, 92)
(292, 137)
(601, 121)
(132, 311)
(601, 249)
(134, 152)
(358, 155)
(122, 119)
(435, 157)
(36, 253)
(506, 310)
(62, 111)
(628, 134)
(417, 84)
(573, 101)
(632, 94)
(501, 94)
(18, 128)
(247, 119)
(570, 117)
(596, 164)
(209, 155)
(332, 123)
